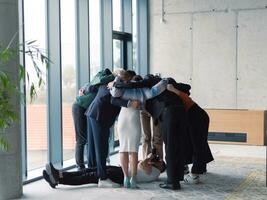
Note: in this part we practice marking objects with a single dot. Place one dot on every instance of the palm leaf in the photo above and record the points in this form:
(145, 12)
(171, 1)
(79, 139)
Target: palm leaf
(4, 145)
(8, 89)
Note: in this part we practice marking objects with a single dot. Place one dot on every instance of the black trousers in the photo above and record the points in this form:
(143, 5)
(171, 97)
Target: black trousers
(88, 175)
(98, 136)
(173, 124)
(80, 125)
(197, 147)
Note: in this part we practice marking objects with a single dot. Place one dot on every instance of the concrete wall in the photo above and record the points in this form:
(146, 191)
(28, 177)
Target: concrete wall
(218, 46)
(10, 162)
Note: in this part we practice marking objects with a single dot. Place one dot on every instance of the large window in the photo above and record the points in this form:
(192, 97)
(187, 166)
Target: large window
(94, 21)
(117, 26)
(117, 12)
(36, 112)
(122, 35)
(80, 38)
(117, 54)
(68, 68)
(134, 33)
(122, 40)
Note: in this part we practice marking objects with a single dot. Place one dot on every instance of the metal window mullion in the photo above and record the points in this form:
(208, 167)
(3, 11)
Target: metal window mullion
(54, 96)
(23, 112)
(82, 42)
(127, 27)
(122, 14)
(124, 55)
(142, 36)
(106, 45)
(106, 34)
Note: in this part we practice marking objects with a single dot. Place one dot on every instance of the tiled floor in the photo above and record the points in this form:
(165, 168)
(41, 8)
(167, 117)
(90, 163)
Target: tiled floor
(238, 172)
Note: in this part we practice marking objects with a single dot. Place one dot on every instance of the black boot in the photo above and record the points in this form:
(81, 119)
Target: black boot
(170, 186)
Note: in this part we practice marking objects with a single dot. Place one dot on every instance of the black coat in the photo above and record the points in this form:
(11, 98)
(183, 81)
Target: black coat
(156, 105)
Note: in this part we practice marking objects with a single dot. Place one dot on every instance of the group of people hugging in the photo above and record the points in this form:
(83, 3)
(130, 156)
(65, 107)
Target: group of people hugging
(136, 101)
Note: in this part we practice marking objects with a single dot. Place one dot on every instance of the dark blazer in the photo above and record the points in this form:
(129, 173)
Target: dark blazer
(156, 105)
(101, 108)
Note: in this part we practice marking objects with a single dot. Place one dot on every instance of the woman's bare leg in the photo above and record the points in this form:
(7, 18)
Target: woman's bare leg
(133, 167)
(133, 163)
(124, 159)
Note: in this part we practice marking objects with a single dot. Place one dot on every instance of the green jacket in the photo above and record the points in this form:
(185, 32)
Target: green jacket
(100, 78)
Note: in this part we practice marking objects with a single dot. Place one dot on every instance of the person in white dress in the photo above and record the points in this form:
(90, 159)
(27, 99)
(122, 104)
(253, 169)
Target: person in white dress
(129, 124)
(129, 131)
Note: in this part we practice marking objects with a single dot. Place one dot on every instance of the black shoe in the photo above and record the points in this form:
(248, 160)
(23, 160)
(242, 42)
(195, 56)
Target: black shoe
(48, 180)
(170, 186)
(52, 172)
(80, 167)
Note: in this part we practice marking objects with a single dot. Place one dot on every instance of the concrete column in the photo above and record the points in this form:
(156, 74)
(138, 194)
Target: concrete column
(10, 162)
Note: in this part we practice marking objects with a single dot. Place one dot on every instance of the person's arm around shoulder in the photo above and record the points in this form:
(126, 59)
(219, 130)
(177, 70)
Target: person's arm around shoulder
(159, 88)
(171, 88)
(133, 84)
(116, 101)
(184, 96)
(115, 92)
(125, 103)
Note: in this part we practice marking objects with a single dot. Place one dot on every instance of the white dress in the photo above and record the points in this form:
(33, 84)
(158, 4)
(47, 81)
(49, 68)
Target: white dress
(129, 129)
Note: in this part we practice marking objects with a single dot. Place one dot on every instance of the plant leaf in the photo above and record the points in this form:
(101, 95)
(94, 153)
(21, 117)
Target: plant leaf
(33, 93)
(4, 145)
(30, 42)
(40, 82)
(22, 72)
(9, 89)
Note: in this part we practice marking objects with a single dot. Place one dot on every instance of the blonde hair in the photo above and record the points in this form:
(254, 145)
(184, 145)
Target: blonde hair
(123, 74)
(117, 71)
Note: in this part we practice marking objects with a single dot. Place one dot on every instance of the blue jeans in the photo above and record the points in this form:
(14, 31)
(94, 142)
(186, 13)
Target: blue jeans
(98, 137)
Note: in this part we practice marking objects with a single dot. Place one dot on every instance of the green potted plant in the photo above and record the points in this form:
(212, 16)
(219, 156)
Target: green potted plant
(8, 115)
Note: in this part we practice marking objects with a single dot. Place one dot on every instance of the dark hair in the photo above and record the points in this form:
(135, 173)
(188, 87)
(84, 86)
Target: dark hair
(106, 72)
(179, 86)
(131, 73)
(148, 76)
(137, 78)
(126, 75)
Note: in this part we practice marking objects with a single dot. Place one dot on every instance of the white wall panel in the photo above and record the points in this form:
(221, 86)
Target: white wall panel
(201, 5)
(252, 60)
(215, 53)
(170, 47)
(214, 80)
(178, 5)
(154, 6)
(230, 4)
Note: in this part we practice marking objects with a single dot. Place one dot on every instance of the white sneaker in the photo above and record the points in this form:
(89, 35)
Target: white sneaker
(191, 179)
(186, 169)
(107, 184)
